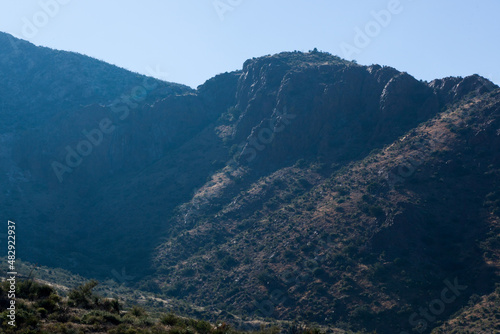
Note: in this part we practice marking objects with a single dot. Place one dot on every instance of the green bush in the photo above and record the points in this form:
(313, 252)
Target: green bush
(32, 290)
(170, 319)
(188, 272)
(123, 329)
(100, 317)
(50, 303)
(82, 296)
(43, 312)
(319, 272)
(229, 262)
(138, 312)
(202, 327)
(111, 305)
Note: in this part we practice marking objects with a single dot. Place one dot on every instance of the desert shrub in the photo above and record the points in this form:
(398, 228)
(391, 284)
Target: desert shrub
(319, 272)
(229, 262)
(361, 313)
(111, 305)
(290, 255)
(201, 326)
(26, 317)
(100, 317)
(379, 271)
(171, 319)
(208, 267)
(60, 328)
(123, 329)
(32, 290)
(373, 187)
(366, 198)
(376, 211)
(187, 272)
(82, 296)
(43, 312)
(304, 183)
(138, 311)
(50, 303)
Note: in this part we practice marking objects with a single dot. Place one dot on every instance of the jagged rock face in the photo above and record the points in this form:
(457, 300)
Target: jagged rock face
(452, 89)
(332, 111)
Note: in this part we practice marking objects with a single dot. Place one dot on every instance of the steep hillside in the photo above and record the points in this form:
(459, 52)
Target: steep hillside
(366, 245)
(296, 227)
(67, 122)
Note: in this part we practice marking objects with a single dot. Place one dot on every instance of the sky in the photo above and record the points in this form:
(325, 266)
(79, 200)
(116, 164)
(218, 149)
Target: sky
(190, 41)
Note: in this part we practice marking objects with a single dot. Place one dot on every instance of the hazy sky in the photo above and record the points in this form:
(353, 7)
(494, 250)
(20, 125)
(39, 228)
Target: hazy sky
(189, 41)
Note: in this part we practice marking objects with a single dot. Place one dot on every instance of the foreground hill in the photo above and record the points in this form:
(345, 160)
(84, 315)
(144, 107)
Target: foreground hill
(303, 187)
(40, 309)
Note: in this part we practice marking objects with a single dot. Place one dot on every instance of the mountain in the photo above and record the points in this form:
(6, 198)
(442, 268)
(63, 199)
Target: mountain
(302, 188)
(359, 195)
(42, 309)
(39, 83)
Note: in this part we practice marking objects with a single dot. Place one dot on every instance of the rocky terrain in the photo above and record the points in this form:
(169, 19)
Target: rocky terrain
(302, 188)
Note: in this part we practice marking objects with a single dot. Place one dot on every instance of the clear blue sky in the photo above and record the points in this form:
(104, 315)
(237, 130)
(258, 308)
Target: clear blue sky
(189, 41)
